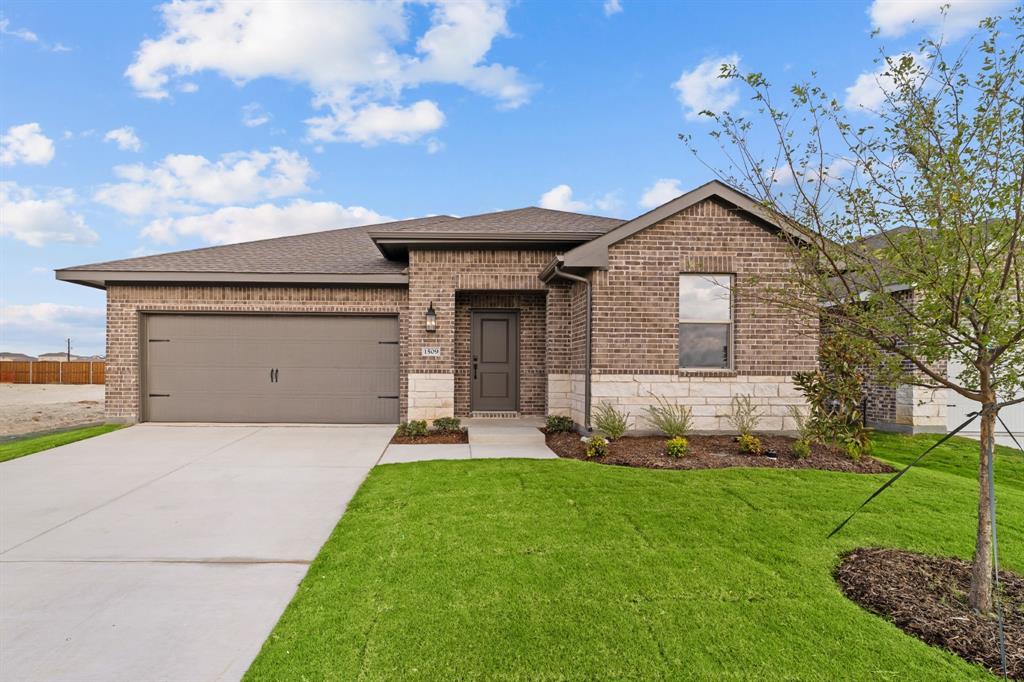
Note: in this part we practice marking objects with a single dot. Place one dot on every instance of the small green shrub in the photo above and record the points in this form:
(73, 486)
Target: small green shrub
(750, 444)
(675, 421)
(597, 446)
(745, 415)
(610, 421)
(447, 425)
(557, 423)
(835, 393)
(677, 447)
(802, 449)
(412, 429)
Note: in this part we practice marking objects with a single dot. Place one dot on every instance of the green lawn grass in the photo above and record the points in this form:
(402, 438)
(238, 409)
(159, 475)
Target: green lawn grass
(27, 446)
(568, 570)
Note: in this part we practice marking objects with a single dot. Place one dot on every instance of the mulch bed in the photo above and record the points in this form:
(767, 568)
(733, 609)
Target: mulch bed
(713, 452)
(926, 596)
(433, 438)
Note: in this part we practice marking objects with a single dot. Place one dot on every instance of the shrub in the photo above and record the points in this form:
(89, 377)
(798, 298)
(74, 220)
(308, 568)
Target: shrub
(557, 423)
(447, 425)
(597, 446)
(677, 447)
(412, 429)
(835, 393)
(745, 415)
(675, 421)
(610, 422)
(750, 444)
(802, 449)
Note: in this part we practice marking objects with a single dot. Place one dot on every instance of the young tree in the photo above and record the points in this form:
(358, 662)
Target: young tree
(912, 224)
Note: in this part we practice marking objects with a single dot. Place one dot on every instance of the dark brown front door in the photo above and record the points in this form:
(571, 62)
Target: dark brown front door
(495, 348)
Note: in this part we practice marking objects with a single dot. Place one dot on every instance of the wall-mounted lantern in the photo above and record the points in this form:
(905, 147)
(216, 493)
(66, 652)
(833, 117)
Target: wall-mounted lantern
(431, 318)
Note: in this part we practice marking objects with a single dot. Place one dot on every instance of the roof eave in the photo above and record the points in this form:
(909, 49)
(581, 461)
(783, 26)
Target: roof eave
(99, 279)
(395, 245)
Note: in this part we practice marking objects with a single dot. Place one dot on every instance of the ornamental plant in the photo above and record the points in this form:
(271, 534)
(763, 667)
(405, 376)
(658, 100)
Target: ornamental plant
(597, 446)
(677, 447)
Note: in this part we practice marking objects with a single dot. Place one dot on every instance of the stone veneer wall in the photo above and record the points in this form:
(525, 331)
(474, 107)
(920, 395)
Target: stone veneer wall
(636, 312)
(126, 302)
(434, 277)
(709, 398)
(532, 366)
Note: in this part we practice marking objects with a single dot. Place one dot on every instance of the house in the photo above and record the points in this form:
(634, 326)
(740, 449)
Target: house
(15, 357)
(529, 311)
(59, 356)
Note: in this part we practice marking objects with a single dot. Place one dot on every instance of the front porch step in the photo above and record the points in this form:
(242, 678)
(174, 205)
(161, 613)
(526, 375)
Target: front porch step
(521, 431)
(494, 415)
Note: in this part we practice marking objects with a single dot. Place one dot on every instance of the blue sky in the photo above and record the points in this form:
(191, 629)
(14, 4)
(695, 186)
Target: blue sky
(131, 129)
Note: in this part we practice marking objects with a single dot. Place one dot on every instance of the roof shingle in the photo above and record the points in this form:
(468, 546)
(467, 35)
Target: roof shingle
(348, 250)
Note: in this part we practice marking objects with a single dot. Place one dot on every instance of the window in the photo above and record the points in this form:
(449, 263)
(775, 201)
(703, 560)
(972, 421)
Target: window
(705, 321)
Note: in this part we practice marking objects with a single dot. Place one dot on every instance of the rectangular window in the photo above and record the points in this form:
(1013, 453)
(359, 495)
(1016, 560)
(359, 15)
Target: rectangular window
(705, 321)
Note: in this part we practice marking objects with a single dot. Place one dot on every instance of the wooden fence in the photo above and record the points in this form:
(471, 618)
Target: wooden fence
(51, 372)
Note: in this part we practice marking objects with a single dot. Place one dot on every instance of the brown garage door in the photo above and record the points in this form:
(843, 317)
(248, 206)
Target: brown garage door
(270, 368)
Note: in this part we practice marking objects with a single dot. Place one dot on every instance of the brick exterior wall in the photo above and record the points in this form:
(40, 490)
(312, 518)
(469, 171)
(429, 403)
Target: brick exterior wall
(907, 408)
(636, 301)
(636, 313)
(125, 303)
(532, 345)
(434, 277)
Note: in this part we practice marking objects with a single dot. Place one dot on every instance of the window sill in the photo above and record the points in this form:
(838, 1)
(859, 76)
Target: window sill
(707, 372)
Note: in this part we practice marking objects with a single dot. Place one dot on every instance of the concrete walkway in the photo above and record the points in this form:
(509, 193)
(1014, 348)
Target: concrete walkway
(166, 552)
(488, 439)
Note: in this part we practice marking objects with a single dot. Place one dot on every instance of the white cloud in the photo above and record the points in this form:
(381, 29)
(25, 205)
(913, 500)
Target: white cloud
(869, 90)
(180, 183)
(43, 327)
(126, 139)
(560, 198)
(894, 18)
(375, 123)
(353, 57)
(29, 37)
(238, 224)
(612, 7)
(254, 115)
(703, 88)
(660, 192)
(434, 145)
(26, 144)
(20, 33)
(188, 87)
(41, 220)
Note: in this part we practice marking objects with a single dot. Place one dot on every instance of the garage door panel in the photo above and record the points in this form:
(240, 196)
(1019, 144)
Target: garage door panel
(217, 368)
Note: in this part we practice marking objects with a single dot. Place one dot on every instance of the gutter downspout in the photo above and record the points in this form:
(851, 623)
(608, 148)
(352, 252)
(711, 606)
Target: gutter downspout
(590, 317)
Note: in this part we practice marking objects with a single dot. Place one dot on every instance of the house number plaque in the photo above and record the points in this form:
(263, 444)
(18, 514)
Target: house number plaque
(430, 351)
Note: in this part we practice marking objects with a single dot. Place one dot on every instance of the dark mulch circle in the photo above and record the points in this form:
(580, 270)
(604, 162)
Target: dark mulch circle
(926, 596)
(433, 438)
(713, 452)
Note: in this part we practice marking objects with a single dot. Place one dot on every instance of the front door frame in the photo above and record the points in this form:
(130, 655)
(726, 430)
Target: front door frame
(513, 314)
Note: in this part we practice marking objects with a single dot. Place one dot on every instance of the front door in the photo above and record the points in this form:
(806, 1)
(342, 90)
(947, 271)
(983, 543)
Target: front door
(495, 357)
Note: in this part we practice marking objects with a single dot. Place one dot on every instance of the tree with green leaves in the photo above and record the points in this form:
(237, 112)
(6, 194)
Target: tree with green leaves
(911, 223)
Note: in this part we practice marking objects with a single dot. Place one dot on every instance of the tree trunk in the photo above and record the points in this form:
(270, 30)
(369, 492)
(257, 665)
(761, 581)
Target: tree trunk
(981, 574)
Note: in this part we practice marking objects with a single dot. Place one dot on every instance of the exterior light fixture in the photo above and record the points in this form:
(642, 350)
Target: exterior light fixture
(431, 318)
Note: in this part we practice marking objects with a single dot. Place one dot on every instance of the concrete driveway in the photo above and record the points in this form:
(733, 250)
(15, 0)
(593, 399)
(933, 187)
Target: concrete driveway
(166, 552)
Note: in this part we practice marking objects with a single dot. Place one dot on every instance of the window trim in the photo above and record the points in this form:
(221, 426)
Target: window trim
(730, 323)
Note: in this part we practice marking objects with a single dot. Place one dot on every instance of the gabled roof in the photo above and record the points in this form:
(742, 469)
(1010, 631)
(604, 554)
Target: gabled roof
(594, 254)
(347, 255)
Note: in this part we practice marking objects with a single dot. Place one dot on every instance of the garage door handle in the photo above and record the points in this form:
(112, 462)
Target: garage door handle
(276, 372)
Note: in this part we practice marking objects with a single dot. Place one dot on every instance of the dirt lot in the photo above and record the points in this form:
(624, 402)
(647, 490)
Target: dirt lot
(26, 408)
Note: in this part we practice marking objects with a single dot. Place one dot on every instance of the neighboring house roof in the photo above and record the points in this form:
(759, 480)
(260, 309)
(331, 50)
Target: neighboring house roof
(594, 254)
(15, 357)
(347, 255)
(59, 355)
